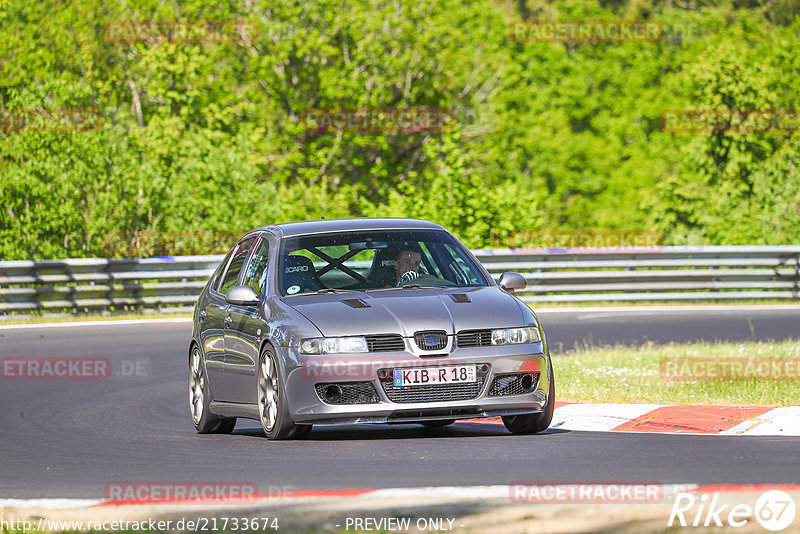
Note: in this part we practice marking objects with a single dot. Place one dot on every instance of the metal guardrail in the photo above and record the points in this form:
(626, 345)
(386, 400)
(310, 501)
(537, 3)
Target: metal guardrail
(165, 284)
(171, 284)
(670, 273)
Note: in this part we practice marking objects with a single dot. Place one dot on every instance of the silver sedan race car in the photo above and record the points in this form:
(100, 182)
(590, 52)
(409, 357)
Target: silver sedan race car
(363, 321)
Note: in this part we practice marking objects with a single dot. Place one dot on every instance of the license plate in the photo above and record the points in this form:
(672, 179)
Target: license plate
(417, 376)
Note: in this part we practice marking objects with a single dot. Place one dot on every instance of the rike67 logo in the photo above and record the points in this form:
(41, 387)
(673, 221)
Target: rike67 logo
(774, 510)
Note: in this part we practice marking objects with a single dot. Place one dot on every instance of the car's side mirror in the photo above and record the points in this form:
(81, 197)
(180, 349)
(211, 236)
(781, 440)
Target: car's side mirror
(242, 296)
(512, 282)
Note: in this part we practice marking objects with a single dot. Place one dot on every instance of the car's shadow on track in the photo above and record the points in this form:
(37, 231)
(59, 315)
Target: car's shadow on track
(399, 431)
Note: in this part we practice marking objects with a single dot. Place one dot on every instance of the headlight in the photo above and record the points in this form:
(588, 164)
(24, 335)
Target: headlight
(514, 336)
(333, 345)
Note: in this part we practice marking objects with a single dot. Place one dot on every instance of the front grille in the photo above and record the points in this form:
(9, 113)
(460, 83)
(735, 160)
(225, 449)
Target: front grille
(351, 393)
(385, 343)
(434, 392)
(431, 339)
(511, 384)
(474, 338)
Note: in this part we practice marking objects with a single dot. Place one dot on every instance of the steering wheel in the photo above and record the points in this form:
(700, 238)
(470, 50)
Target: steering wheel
(422, 279)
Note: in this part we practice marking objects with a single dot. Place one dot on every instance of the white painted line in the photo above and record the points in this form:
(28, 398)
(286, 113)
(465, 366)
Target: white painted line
(778, 422)
(598, 417)
(175, 320)
(485, 492)
(745, 426)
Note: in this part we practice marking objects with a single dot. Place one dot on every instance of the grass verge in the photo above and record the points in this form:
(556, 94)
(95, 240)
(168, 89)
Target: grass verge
(684, 374)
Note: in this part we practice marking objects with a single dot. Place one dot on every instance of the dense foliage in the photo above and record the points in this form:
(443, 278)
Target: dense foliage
(210, 137)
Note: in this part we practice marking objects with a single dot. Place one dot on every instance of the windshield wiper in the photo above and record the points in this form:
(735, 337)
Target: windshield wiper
(334, 290)
(409, 286)
(419, 286)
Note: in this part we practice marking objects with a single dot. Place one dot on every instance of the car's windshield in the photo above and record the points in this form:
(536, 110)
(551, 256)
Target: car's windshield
(372, 260)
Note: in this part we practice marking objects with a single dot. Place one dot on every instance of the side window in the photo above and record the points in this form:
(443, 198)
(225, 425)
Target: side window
(235, 267)
(218, 273)
(256, 274)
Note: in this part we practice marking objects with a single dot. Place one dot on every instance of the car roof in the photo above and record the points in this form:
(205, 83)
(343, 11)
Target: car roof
(290, 229)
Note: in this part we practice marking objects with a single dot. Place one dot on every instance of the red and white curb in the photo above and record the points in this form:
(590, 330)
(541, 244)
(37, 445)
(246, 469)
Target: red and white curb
(668, 419)
(657, 418)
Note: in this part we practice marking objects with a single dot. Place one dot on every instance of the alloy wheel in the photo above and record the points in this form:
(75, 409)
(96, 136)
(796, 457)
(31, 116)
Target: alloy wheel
(197, 382)
(268, 393)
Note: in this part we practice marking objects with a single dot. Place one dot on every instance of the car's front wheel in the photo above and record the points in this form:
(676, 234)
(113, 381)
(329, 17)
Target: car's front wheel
(535, 422)
(199, 399)
(272, 406)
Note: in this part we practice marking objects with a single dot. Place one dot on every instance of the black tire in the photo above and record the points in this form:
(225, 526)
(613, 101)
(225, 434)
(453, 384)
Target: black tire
(301, 431)
(200, 399)
(226, 425)
(535, 422)
(438, 424)
(273, 409)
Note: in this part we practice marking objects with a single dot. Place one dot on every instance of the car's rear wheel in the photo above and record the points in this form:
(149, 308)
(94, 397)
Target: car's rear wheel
(199, 399)
(273, 409)
(438, 424)
(535, 422)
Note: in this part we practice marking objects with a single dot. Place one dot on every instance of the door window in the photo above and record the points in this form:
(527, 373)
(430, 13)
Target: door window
(256, 274)
(237, 262)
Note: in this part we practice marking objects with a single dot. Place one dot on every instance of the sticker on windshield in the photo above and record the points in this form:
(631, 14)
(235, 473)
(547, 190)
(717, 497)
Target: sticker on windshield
(293, 289)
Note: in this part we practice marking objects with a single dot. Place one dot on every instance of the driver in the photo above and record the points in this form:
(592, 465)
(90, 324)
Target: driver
(406, 265)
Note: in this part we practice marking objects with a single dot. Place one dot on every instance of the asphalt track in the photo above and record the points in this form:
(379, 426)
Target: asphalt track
(71, 438)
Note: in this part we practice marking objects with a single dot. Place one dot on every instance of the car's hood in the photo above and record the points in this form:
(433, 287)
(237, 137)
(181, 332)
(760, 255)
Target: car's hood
(405, 311)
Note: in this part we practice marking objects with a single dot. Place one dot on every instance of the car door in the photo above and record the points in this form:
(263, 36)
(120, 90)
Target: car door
(243, 335)
(230, 279)
(211, 313)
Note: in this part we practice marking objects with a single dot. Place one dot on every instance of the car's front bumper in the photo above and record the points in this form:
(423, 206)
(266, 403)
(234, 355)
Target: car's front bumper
(307, 406)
